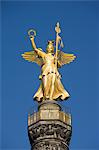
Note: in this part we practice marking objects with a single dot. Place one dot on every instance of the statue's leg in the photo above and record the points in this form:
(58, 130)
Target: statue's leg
(44, 83)
(52, 85)
(46, 86)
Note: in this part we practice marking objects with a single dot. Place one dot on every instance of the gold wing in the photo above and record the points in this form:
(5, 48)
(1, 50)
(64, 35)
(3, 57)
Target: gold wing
(32, 56)
(64, 58)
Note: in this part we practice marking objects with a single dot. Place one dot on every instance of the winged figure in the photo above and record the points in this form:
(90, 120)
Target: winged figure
(51, 87)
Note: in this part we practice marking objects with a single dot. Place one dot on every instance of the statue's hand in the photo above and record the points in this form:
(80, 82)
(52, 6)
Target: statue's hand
(31, 37)
(58, 38)
(55, 57)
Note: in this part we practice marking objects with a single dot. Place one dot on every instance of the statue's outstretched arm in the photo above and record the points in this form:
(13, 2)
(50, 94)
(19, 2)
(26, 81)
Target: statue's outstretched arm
(39, 52)
(33, 43)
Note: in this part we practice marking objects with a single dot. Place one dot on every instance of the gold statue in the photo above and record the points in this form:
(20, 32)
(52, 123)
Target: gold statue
(51, 87)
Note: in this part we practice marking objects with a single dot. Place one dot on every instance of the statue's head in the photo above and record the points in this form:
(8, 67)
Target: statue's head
(50, 47)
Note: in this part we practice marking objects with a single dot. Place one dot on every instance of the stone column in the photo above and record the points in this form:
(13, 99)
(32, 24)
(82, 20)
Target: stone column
(49, 128)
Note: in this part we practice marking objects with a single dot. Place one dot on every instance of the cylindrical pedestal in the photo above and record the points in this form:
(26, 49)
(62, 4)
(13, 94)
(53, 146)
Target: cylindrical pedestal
(49, 128)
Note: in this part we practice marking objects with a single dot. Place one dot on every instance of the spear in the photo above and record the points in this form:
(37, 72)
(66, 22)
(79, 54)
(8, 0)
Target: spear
(58, 39)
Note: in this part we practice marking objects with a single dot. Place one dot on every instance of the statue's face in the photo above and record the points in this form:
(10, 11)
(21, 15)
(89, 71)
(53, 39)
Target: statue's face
(50, 48)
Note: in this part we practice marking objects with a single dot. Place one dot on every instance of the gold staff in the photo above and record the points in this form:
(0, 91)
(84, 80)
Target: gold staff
(58, 39)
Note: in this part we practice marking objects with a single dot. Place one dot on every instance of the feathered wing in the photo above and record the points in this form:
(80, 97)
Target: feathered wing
(32, 56)
(64, 58)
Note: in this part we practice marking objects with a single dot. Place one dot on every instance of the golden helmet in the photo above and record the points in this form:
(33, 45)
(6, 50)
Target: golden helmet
(50, 47)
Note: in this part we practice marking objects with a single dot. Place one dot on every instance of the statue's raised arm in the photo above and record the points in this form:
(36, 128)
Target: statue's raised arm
(36, 55)
(37, 50)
